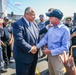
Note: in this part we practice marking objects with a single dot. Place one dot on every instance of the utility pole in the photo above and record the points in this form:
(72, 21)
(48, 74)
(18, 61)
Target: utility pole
(3, 8)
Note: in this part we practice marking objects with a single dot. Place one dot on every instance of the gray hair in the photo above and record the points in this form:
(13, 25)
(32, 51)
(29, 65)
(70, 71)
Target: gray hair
(28, 9)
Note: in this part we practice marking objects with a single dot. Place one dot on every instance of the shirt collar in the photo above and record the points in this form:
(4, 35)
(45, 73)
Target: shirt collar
(60, 25)
(26, 21)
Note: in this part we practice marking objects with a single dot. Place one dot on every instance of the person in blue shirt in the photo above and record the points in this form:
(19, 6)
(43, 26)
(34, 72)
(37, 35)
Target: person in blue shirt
(41, 25)
(58, 40)
(7, 40)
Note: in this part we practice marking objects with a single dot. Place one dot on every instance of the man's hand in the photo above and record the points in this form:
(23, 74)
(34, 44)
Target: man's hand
(74, 34)
(33, 50)
(67, 62)
(2, 43)
(46, 51)
(49, 25)
(10, 42)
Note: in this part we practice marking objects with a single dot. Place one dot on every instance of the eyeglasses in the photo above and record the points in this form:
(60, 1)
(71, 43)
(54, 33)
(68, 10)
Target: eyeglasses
(68, 20)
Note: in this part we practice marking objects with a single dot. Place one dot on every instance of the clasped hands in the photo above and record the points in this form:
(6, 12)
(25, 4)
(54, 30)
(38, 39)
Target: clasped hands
(34, 50)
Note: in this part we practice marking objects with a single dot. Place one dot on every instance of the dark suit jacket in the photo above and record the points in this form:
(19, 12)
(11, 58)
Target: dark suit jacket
(23, 41)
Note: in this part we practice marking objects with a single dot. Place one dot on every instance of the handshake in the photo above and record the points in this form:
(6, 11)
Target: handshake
(33, 49)
(45, 51)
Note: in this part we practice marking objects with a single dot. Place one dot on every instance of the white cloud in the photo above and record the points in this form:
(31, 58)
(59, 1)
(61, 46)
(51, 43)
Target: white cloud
(18, 3)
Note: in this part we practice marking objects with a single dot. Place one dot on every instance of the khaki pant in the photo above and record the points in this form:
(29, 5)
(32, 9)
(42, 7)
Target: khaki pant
(55, 65)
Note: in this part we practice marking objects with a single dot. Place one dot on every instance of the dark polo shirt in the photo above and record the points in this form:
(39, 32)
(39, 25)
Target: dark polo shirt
(7, 32)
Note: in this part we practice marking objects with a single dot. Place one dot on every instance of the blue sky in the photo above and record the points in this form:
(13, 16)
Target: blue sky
(68, 7)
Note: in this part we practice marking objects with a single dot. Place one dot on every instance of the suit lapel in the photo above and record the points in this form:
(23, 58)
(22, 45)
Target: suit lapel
(26, 25)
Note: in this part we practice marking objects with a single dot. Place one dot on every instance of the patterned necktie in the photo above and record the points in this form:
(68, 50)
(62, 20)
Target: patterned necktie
(32, 29)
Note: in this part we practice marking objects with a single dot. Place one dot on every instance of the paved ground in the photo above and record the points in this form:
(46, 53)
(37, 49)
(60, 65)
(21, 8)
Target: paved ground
(41, 67)
(10, 69)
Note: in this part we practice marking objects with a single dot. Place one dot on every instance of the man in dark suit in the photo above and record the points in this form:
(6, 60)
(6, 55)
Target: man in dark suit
(26, 36)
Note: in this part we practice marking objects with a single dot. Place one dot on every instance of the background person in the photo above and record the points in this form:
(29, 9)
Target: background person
(2, 70)
(41, 25)
(7, 41)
